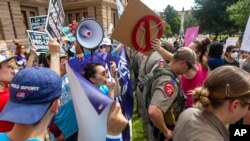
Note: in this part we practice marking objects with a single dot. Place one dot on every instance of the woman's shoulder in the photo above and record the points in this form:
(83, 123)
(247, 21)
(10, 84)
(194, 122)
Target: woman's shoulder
(192, 125)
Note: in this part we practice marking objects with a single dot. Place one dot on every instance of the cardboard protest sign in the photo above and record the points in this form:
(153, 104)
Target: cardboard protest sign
(231, 41)
(137, 28)
(55, 19)
(190, 35)
(39, 40)
(3, 46)
(245, 45)
(37, 22)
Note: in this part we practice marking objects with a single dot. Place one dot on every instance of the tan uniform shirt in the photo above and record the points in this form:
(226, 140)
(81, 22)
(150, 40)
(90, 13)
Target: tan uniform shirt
(164, 92)
(149, 64)
(198, 125)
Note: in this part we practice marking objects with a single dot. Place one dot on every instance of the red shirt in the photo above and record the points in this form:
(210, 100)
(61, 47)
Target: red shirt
(4, 97)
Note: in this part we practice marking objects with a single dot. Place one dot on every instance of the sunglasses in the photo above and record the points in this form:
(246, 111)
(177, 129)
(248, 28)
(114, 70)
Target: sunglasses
(103, 73)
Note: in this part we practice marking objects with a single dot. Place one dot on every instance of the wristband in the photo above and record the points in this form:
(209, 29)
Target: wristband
(113, 137)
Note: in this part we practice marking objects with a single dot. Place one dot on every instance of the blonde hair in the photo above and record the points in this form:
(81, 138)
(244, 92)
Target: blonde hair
(223, 83)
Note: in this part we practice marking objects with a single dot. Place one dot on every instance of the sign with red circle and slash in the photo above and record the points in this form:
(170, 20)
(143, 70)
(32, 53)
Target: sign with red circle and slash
(146, 22)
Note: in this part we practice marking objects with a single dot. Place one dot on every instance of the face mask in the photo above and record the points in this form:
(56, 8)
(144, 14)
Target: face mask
(234, 55)
(241, 61)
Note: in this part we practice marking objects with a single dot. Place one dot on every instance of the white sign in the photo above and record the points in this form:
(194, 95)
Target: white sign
(39, 40)
(120, 7)
(245, 45)
(202, 37)
(55, 19)
(231, 41)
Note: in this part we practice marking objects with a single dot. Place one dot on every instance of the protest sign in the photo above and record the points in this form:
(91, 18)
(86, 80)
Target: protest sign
(245, 45)
(138, 27)
(120, 7)
(39, 40)
(37, 22)
(231, 41)
(190, 35)
(202, 37)
(55, 20)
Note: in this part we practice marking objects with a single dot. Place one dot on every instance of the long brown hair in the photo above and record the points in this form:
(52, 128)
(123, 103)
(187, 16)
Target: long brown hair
(18, 51)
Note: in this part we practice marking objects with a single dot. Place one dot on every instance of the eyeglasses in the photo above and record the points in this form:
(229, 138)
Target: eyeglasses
(103, 73)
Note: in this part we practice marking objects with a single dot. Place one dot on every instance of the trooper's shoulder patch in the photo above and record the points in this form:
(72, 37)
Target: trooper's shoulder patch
(169, 89)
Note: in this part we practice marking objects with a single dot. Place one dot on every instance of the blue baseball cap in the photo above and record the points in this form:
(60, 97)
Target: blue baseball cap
(32, 91)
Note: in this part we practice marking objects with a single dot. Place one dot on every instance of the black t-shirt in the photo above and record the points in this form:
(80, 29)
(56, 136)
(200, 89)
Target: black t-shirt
(235, 63)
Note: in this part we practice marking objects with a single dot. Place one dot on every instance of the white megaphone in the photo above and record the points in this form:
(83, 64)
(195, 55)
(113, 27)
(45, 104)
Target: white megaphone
(89, 33)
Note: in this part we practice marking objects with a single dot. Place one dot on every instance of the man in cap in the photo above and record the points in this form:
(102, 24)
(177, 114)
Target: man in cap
(64, 125)
(34, 94)
(6, 74)
(164, 99)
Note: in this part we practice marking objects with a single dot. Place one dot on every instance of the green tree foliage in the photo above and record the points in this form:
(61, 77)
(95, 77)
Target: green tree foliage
(191, 21)
(167, 31)
(172, 17)
(239, 13)
(212, 16)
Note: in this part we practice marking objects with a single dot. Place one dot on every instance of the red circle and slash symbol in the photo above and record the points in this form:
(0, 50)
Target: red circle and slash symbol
(146, 21)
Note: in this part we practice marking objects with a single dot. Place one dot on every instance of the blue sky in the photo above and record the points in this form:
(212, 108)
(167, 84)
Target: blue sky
(159, 5)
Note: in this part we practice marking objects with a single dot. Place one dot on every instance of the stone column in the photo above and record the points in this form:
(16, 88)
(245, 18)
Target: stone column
(109, 16)
(91, 12)
(7, 27)
(19, 27)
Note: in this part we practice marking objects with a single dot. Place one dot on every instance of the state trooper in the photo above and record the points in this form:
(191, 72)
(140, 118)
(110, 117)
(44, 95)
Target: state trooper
(164, 99)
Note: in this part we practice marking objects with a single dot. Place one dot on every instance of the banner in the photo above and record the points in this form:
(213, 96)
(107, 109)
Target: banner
(91, 107)
(3, 46)
(231, 41)
(190, 35)
(126, 97)
(245, 45)
(37, 22)
(55, 19)
(39, 40)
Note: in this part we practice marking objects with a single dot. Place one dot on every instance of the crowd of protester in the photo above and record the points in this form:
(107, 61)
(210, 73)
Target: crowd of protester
(182, 93)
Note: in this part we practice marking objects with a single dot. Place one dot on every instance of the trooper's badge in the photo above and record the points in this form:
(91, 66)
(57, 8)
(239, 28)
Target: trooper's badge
(169, 89)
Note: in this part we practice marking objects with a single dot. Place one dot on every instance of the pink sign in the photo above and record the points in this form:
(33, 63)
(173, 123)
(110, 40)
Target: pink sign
(191, 34)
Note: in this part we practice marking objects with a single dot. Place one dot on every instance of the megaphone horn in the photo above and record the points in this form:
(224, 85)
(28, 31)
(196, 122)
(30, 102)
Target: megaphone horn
(85, 32)
(89, 33)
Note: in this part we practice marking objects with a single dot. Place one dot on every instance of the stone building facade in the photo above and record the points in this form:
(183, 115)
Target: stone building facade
(14, 14)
